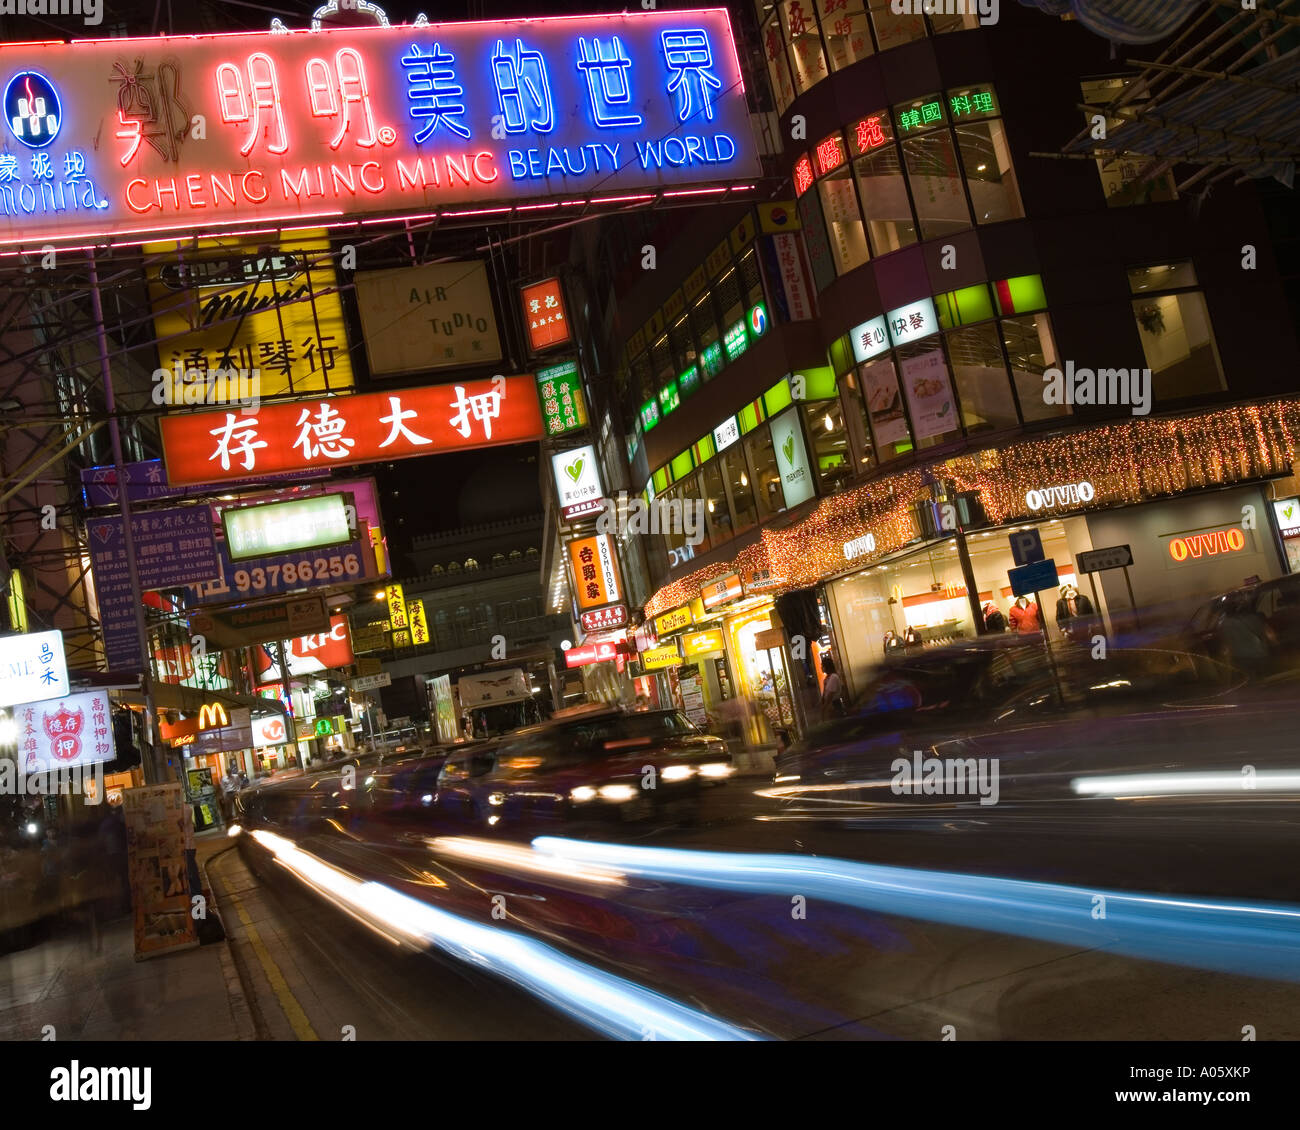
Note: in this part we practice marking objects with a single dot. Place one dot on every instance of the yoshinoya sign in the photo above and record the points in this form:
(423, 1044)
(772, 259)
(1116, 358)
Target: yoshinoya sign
(1071, 494)
(400, 121)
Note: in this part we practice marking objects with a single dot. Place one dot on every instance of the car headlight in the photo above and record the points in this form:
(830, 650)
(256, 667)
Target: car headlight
(497, 798)
(617, 793)
(677, 772)
(716, 769)
(582, 793)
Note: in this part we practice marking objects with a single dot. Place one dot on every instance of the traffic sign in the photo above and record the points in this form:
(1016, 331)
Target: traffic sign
(1032, 578)
(1026, 546)
(1099, 560)
(372, 682)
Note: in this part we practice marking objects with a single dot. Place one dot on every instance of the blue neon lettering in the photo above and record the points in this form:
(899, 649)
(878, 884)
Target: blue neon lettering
(521, 75)
(676, 151)
(608, 82)
(432, 91)
(517, 167)
(690, 57)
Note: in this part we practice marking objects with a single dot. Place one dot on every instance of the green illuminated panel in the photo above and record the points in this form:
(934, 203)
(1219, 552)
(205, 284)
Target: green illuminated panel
(777, 397)
(668, 398)
(750, 417)
(736, 340)
(819, 384)
(704, 450)
(285, 527)
(660, 479)
(711, 360)
(649, 415)
(1020, 295)
(688, 382)
(684, 464)
(963, 307)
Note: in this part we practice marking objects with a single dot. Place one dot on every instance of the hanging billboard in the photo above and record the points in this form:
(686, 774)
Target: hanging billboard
(120, 137)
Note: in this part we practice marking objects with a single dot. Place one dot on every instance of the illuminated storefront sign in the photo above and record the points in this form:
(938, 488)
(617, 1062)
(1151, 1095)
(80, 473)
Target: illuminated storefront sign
(595, 573)
(674, 620)
(365, 121)
(721, 592)
(230, 304)
(701, 643)
(213, 716)
(913, 321)
(564, 406)
(1194, 546)
(1287, 512)
(736, 340)
(544, 315)
(649, 415)
(283, 527)
(590, 653)
(869, 339)
(711, 360)
(419, 624)
(658, 658)
(577, 482)
(859, 547)
(604, 619)
(346, 430)
(32, 668)
(1071, 494)
(396, 607)
(724, 435)
(306, 655)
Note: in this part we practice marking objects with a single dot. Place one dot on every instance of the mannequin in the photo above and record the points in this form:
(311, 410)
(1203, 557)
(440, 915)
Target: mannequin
(1074, 614)
(994, 621)
(893, 642)
(1024, 616)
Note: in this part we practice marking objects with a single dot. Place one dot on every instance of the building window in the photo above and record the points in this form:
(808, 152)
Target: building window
(839, 199)
(985, 155)
(1174, 326)
(928, 392)
(854, 409)
(879, 173)
(893, 30)
(717, 515)
(766, 477)
(844, 27)
(824, 425)
(778, 66)
(807, 59)
(1122, 179)
(885, 412)
(739, 489)
(1031, 351)
(980, 372)
(933, 172)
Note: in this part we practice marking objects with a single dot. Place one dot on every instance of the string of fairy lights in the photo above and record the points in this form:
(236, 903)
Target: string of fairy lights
(1126, 462)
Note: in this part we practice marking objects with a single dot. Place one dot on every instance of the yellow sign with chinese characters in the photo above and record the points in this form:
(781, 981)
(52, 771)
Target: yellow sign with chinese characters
(232, 303)
(396, 607)
(419, 626)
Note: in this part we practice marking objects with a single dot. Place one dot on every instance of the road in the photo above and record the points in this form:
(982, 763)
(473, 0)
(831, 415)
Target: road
(798, 920)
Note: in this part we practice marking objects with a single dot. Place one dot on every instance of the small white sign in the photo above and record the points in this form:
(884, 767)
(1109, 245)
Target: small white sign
(859, 547)
(1069, 494)
(791, 459)
(372, 682)
(577, 481)
(32, 668)
(724, 435)
(913, 321)
(870, 339)
(1287, 512)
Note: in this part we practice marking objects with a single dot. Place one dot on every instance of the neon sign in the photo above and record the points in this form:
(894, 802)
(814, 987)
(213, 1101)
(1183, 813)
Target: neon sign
(222, 132)
(1198, 545)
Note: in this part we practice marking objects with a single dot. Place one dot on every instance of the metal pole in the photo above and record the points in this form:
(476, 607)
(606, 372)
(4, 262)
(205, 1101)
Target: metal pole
(1047, 643)
(1096, 605)
(1132, 600)
(150, 763)
(968, 575)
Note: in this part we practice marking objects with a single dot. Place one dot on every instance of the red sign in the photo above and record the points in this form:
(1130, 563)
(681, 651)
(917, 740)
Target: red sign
(1198, 545)
(590, 653)
(126, 136)
(803, 176)
(307, 654)
(868, 135)
(721, 592)
(341, 431)
(830, 154)
(544, 315)
(602, 619)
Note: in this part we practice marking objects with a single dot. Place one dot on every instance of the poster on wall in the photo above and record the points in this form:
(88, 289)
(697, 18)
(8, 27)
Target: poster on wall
(158, 833)
(444, 709)
(884, 404)
(929, 394)
(792, 458)
(690, 689)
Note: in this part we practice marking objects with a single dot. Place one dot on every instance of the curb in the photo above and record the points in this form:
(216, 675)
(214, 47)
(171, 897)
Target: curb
(237, 997)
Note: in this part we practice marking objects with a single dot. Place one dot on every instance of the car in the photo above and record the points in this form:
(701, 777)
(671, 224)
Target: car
(1255, 628)
(598, 765)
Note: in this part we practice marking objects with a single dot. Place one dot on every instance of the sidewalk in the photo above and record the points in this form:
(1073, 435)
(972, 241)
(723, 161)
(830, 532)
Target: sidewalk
(84, 982)
(758, 761)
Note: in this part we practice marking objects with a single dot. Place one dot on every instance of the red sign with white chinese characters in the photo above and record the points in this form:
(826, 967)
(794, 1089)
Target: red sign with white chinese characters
(342, 431)
(544, 315)
(602, 619)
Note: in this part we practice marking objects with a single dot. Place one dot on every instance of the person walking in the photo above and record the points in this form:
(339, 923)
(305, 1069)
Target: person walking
(832, 690)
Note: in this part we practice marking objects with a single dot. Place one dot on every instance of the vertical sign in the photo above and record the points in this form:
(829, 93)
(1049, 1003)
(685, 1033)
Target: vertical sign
(544, 315)
(419, 626)
(396, 607)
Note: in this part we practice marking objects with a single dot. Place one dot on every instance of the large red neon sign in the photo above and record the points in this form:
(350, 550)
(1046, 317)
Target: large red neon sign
(218, 132)
(342, 431)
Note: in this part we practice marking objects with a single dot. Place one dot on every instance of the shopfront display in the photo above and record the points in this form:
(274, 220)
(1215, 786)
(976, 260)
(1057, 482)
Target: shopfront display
(1286, 513)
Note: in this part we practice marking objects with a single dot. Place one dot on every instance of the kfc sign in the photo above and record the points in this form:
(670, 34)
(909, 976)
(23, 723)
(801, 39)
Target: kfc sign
(341, 431)
(307, 654)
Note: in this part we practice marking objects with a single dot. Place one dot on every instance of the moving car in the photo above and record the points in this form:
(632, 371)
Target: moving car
(1256, 629)
(599, 764)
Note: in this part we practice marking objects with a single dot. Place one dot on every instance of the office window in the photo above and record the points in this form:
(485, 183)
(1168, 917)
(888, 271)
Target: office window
(960, 21)
(986, 161)
(1177, 341)
(828, 439)
(934, 176)
(1031, 350)
(750, 278)
(729, 299)
(682, 342)
(663, 367)
(778, 66)
(885, 201)
(980, 373)
(844, 227)
(704, 326)
(807, 58)
(769, 496)
(844, 27)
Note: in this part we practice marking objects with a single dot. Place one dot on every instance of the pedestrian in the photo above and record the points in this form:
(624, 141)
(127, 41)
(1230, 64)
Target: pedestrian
(832, 690)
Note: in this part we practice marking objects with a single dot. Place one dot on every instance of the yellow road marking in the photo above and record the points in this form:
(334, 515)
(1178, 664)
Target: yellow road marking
(293, 1011)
